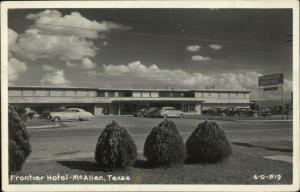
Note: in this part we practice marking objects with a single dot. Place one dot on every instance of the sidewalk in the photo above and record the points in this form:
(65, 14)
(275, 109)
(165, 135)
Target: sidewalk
(41, 124)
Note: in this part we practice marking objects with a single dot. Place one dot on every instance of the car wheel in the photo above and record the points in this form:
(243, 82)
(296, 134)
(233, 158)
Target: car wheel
(165, 116)
(181, 115)
(56, 119)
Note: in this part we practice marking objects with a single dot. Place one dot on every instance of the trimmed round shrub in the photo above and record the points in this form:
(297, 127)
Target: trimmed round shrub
(207, 144)
(19, 146)
(115, 148)
(164, 145)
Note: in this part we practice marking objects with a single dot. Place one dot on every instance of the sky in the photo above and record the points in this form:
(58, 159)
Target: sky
(147, 48)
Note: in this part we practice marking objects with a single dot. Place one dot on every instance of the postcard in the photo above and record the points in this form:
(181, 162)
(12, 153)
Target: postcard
(150, 95)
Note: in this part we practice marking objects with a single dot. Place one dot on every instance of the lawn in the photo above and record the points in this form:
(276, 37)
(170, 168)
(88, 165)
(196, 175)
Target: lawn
(69, 150)
(239, 168)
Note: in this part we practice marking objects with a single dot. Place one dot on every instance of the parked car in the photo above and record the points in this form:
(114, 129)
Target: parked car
(150, 112)
(140, 113)
(265, 112)
(168, 112)
(71, 114)
(32, 114)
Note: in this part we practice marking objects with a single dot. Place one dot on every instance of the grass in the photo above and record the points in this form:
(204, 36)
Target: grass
(239, 168)
(39, 122)
(70, 151)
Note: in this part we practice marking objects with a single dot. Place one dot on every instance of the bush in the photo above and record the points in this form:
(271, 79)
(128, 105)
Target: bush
(115, 148)
(19, 146)
(21, 112)
(207, 144)
(164, 145)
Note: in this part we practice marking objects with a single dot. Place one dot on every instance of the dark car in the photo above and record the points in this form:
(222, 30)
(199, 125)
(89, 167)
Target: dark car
(146, 112)
(151, 112)
(265, 112)
(140, 113)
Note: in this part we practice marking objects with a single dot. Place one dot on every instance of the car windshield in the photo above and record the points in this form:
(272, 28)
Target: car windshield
(72, 110)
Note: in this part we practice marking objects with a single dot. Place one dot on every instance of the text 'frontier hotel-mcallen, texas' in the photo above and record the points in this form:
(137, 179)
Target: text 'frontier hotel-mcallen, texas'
(104, 101)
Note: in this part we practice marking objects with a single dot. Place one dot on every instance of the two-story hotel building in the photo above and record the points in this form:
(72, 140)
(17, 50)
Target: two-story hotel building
(104, 101)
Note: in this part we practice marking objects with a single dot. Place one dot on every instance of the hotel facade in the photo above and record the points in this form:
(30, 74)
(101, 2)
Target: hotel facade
(106, 101)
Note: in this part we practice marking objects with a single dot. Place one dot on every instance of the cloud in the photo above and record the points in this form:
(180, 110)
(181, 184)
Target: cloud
(181, 78)
(53, 22)
(49, 68)
(70, 64)
(34, 45)
(193, 48)
(12, 38)
(15, 68)
(200, 58)
(55, 77)
(87, 63)
(57, 36)
(136, 74)
(105, 43)
(215, 46)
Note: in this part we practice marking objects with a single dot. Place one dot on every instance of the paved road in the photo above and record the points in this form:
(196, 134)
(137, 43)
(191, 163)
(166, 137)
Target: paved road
(78, 139)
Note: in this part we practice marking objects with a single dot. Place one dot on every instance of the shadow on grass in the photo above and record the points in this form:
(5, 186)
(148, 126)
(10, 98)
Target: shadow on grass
(93, 166)
(144, 164)
(243, 144)
(268, 148)
(82, 165)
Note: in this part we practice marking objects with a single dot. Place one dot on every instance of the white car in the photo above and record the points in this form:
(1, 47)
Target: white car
(71, 114)
(169, 112)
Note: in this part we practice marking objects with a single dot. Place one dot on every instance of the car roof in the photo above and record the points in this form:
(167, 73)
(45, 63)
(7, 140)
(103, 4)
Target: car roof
(75, 108)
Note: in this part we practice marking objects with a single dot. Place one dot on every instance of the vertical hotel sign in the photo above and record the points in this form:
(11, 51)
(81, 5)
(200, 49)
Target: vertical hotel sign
(269, 83)
(270, 80)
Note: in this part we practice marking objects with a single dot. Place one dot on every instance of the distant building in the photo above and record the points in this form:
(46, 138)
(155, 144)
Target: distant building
(103, 101)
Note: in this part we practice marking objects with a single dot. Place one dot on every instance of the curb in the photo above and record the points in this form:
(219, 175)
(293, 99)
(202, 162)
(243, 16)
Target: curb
(43, 126)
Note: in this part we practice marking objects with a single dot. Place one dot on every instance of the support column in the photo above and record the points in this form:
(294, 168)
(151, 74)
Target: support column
(98, 109)
(198, 108)
(119, 109)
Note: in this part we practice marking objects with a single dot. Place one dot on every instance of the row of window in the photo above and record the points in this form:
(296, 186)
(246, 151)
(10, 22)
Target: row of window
(52, 93)
(145, 94)
(222, 95)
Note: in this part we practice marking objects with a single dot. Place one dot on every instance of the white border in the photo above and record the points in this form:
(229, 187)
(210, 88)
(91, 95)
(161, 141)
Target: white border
(294, 4)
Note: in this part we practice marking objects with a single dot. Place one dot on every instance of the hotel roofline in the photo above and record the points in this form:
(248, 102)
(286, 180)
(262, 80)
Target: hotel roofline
(121, 89)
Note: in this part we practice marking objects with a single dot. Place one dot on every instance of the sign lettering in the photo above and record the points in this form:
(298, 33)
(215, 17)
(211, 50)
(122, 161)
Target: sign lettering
(269, 80)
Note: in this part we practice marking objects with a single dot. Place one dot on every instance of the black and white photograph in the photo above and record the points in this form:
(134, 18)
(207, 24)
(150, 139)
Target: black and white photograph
(161, 96)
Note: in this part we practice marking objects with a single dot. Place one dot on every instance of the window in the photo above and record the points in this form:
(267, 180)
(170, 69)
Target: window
(41, 93)
(154, 94)
(14, 93)
(145, 94)
(56, 93)
(101, 94)
(82, 93)
(125, 94)
(111, 94)
(136, 94)
(69, 93)
(27, 93)
(164, 94)
(178, 94)
(91, 93)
